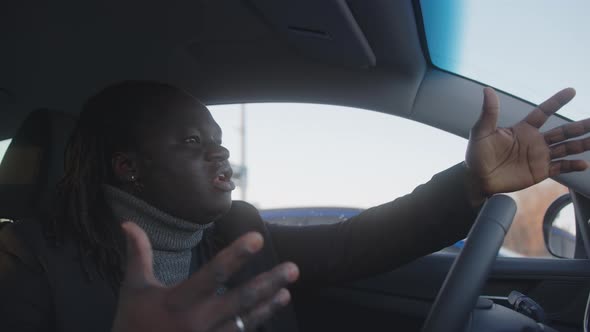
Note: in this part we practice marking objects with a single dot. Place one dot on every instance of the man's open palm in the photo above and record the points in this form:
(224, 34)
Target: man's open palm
(517, 157)
(146, 305)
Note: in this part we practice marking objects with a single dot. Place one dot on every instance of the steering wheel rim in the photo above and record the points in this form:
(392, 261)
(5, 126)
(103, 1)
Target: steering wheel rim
(463, 283)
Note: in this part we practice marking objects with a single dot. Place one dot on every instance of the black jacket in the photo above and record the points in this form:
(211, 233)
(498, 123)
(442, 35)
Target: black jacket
(43, 288)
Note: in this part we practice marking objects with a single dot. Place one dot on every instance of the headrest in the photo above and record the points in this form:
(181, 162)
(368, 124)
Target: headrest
(33, 164)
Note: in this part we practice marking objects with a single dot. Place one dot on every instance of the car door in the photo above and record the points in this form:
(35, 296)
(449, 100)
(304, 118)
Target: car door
(400, 299)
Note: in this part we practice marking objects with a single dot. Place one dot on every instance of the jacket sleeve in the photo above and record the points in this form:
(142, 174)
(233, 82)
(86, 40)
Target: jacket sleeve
(433, 216)
(25, 303)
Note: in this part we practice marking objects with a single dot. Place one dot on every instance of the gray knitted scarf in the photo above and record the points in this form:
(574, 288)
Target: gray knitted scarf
(172, 238)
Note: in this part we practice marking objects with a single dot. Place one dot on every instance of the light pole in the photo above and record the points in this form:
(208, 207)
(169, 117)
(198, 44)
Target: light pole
(243, 168)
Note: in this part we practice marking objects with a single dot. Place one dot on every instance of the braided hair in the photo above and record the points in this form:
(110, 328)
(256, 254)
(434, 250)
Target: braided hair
(109, 123)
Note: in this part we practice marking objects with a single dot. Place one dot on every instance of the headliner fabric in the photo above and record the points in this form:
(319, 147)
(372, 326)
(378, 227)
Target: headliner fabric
(21, 167)
(33, 164)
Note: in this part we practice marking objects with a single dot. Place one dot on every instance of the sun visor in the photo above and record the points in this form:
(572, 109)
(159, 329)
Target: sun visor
(325, 30)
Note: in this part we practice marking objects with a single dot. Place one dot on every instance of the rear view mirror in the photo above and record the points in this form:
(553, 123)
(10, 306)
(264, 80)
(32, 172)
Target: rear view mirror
(559, 227)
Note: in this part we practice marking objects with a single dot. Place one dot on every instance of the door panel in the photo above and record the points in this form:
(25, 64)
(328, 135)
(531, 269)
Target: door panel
(400, 300)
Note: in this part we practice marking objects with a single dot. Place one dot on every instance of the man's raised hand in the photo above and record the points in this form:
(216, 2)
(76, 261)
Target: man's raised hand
(193, 305)
(517, 157)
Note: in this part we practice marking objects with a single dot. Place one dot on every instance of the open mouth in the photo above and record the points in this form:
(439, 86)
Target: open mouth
(222, 180)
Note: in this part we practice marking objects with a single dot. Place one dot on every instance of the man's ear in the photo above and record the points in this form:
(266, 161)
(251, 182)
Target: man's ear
(124, 166)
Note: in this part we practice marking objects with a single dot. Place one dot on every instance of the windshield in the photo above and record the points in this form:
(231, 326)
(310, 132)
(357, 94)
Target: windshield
(528, 48)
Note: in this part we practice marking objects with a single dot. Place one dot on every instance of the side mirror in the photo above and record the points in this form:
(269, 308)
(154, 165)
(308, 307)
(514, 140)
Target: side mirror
(559, 227)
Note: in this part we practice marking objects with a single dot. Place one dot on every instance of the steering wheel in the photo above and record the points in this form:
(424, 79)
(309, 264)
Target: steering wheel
(461, 288)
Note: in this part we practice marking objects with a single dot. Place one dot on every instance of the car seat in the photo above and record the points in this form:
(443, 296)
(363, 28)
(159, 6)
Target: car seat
(33, 164)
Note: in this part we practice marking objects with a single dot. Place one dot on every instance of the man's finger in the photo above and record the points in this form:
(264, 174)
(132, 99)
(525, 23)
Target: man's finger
(265, 286)
(570, 148)
(139, 271)
(215, 273)
(567, 131)
(488, 119)
(567, 166)
(539, 115)
(258, 315)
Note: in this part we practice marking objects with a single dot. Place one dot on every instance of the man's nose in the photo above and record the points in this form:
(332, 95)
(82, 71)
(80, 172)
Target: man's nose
(217, 152)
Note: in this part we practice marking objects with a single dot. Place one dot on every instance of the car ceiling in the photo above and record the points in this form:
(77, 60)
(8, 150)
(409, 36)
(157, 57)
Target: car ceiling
(357, 53)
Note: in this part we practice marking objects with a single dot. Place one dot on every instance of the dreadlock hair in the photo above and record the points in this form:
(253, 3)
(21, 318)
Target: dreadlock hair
(109, 123)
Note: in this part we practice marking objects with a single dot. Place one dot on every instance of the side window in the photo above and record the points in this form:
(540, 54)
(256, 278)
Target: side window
(3, 146)
(525, 237)
(304, 164)
(559, 227)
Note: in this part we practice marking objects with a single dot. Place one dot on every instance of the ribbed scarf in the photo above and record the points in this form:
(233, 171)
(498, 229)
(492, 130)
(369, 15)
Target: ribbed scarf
(172, 238)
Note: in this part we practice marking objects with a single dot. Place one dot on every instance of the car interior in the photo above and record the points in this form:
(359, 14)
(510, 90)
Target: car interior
(371, 55)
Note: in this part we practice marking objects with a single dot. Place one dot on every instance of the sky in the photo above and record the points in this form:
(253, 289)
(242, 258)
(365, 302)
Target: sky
(530, 48)
(321, 155)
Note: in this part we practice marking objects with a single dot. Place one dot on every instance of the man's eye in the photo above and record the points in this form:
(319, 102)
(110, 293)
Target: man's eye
(192, 139)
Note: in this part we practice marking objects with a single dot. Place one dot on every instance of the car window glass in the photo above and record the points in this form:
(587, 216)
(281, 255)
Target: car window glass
(522, 55)
(561, 237)
(526, 233)
(566, 219)
(3, 146)
(301, 155)
(304, 164)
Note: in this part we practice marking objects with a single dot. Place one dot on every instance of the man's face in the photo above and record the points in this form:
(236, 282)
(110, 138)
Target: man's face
(182, 166)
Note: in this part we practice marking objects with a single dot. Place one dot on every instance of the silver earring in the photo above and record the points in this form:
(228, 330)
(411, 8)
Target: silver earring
(132, 178)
